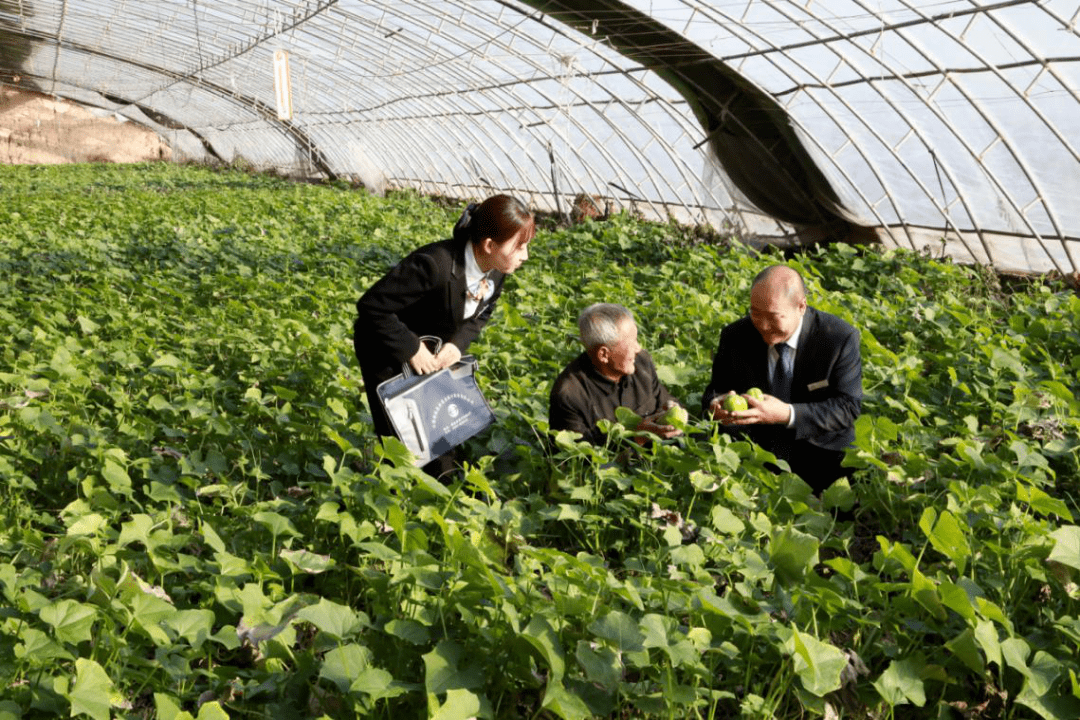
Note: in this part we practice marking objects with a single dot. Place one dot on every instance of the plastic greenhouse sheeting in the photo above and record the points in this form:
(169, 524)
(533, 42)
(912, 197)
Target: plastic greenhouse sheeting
(943, 125)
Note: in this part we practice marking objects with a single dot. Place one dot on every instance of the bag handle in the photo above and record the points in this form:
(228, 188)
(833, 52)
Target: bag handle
(429, 340)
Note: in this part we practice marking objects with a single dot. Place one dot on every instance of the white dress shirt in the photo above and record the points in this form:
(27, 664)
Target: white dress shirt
(474, 277)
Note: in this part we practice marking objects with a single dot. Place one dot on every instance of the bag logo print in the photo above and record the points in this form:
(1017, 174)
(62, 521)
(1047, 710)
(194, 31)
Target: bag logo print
(453, 410)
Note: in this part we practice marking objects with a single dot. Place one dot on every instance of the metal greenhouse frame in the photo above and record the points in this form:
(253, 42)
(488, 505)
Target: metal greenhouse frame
(945, 126)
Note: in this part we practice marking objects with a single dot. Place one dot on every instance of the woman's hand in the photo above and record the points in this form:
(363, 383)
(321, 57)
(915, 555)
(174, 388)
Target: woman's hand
(423, 362)
(448, 355)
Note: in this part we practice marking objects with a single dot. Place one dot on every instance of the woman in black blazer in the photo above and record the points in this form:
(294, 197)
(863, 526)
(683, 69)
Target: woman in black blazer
(447, 289)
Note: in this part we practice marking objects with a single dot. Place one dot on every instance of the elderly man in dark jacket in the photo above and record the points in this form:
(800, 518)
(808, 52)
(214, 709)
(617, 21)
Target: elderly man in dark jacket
(614, 371)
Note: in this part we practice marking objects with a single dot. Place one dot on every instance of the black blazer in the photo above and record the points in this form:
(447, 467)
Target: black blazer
(424, 294)
(826, 386)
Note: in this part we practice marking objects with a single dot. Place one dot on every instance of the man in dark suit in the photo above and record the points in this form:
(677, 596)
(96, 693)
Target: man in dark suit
(808, 363)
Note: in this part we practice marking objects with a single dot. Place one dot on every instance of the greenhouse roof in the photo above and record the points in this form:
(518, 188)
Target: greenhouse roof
(947, 125)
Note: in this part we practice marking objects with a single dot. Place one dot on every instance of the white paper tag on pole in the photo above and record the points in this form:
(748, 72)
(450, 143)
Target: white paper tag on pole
(282, 86)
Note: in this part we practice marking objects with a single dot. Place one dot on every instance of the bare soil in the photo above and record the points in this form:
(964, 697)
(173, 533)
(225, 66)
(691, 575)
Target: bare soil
(40, 129)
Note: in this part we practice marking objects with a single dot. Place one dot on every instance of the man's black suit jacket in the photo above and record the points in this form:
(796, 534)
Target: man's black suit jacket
(826, 387)
(424, 294)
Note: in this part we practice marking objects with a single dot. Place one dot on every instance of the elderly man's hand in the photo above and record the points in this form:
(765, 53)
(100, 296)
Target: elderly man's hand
(767, 410)
(651, 424)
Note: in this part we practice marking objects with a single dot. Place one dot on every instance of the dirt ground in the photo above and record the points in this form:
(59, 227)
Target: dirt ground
(40, 129)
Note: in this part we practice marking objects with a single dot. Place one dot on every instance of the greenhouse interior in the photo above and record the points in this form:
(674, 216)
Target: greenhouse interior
(226, 224)
(944, 126)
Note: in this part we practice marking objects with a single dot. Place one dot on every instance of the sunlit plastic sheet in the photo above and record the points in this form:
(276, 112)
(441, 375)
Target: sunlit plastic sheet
(943, 126)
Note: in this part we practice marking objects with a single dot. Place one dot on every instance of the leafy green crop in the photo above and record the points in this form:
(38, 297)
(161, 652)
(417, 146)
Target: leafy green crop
(198, 522)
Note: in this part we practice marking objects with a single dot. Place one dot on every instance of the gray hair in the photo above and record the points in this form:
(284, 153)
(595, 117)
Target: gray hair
(599, 324)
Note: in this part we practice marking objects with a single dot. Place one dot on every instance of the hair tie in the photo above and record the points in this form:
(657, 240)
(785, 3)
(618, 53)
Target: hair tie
(466, 218)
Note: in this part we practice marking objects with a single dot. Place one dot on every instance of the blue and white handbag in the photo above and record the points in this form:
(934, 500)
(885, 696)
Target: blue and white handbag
(433, 414)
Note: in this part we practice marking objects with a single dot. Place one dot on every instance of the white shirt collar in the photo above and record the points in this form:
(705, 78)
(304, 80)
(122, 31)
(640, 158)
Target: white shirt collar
(473, 273)
(793, 341)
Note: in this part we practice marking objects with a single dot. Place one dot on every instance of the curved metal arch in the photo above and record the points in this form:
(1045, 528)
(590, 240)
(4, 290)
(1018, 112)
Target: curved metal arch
(925, 142)
(1018, 157)
(643, 161)
(556, 103)
(940, 71)
(869, 160)
(289, 129)
(447, 149)
(647, 42)
(840, 169)
(754, 116)
(960, 138)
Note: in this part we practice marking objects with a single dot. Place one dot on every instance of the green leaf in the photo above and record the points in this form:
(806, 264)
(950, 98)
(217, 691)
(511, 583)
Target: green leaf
(987, 636)
(956, 598)
(339, 621)
(86, 325)
(1066, 548)
(542, 636)
(276, 523)
(1041, 502)
(792, 553)
(655, 630)
(117, 477)
(817, 664)
(1016, 651)
(925, 592)
(1038, 693)
(376, 683)
(408, 630)
(601, 664)
(344, 663)
(725, 521)
(212, 711)
(193, 625)
(150, 612)
(902, 683)
(627, 418)
(442, 671)
(620, 629)
(211, 537)
(88, 524)
(38, 649)
(459, 705)
(71, 621)
(167, 360)
(565, 703)
(91, 694)
(947, 537)
(964, 647)
(307, 561)
(168, 708)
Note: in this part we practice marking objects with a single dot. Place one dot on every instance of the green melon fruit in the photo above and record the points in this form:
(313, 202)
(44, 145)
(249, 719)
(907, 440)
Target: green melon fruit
(676, 415)
(735, 403)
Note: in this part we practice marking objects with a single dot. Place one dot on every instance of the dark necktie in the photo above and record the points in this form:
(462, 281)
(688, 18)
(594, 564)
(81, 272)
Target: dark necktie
(782, 373)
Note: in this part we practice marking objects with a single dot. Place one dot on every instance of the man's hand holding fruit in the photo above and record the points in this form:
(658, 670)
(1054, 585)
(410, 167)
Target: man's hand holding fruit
(751, 408)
